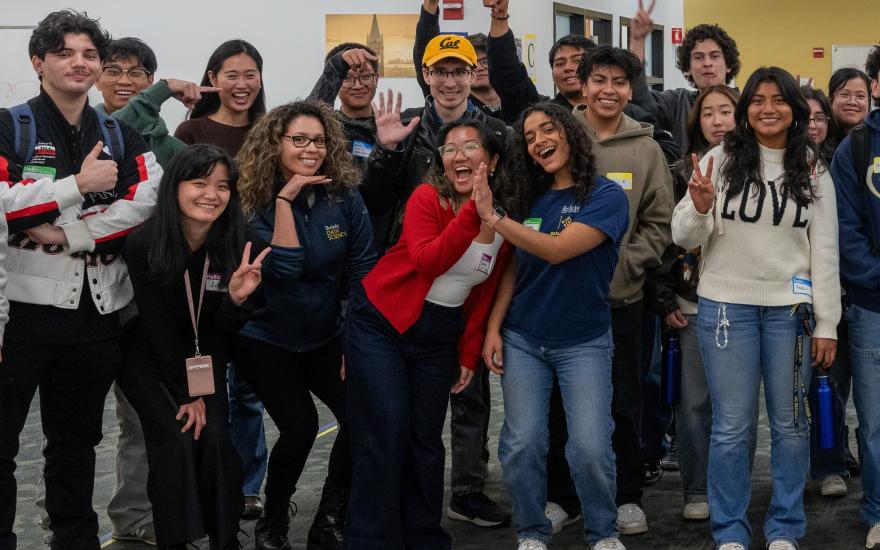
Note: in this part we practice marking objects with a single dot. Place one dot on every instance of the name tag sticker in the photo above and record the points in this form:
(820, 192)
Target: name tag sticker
(533, 223)
(361, 149)
(212, 283)
(803, 287)
(31, 172)
(623, 179)
(485, 263)
(877, 165)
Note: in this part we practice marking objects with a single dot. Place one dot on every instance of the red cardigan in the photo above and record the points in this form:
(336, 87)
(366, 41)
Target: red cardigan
(433, 240)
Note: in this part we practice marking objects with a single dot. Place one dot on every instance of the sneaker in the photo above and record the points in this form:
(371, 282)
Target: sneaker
(781, 544)
(873, 536)
(145, 533)
(558, 517)
(670, 461)
(478, 509)
(531, 544)
(653, 473)
(695, 511)
(631, 520)
(609, 544)
(833, 486)
(731, 546)
(253, 507)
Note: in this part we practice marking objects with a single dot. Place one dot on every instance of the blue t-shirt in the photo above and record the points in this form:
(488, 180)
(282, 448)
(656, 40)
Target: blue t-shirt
(567, 304)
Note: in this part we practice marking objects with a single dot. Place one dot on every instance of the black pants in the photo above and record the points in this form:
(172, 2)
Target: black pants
(626, 409)
(194, 486)
(284, 381)
(73, 382)
(469, 434)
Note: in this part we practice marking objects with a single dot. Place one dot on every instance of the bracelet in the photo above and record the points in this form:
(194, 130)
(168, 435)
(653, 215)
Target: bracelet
(505, 18)
(285, 199)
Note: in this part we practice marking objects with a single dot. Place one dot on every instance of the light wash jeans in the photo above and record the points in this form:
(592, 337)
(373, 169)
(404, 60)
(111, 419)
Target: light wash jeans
(864, 346)
(759, 343)
(584, 374)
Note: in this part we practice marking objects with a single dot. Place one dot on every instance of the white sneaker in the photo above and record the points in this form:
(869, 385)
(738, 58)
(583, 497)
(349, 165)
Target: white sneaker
(609, 544)
(731, 546)
(531, 544)
(833, 486)
(781, 544)
(695, 511)
(873, 536)
(559, 517)
(631, 520)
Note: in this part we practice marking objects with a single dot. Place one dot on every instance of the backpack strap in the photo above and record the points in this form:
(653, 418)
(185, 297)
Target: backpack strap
(25, 131)
(112, 135)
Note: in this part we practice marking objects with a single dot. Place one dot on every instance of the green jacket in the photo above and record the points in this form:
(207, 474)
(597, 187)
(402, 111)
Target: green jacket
(633, 159)
(142, 114)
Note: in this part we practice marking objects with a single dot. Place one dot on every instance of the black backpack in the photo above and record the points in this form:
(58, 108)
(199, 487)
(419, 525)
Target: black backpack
(860, 144)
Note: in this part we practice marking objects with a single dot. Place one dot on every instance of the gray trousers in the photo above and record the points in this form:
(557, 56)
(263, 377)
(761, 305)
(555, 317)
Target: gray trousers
(469, 427)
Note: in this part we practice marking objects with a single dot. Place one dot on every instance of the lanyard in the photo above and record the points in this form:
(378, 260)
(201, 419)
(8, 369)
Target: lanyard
(195, 315)
(799, 387)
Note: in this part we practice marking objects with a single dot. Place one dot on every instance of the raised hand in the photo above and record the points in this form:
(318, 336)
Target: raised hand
(499, 7)
(481, 194)
(389, 129)
(642, 24)
(700, 186)
(358, 57)
(188, 93)
(96, 175)
(247, 277)
(295, 184)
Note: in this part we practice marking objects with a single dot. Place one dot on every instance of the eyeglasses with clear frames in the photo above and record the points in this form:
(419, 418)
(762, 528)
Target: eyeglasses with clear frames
(365, 80)
(846, 95)
(819, 120)
(301, 142)
(468, 148)
(135, 75)
(458, 75)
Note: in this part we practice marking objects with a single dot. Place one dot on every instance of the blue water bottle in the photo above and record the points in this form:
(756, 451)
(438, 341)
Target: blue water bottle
(671, 376)
(825, 413)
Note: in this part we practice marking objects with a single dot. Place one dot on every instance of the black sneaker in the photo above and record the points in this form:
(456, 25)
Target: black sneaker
(653, 472)
(478, 509)
(670, 461)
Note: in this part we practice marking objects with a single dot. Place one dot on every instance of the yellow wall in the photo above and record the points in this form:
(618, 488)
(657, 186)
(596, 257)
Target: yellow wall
(784, 32)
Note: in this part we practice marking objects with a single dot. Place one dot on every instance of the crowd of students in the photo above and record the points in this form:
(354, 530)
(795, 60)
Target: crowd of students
(386, 260)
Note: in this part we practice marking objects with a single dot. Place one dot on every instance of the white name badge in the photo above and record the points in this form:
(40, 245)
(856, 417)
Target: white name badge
(533, 223)
(213, 283)
(802, 287)
(361, 149)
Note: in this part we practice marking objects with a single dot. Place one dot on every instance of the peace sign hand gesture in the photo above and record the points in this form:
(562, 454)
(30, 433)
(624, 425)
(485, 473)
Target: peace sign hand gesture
(642, 24)
(247, 277)
(389, 129)
(701, 188)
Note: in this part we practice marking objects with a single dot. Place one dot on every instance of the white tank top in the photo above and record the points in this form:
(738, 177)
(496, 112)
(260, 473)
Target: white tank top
(453, 287)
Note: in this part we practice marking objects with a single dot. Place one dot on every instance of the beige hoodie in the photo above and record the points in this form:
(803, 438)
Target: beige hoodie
(633, 159)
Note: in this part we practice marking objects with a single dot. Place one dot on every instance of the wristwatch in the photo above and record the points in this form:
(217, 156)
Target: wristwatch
(497, 215)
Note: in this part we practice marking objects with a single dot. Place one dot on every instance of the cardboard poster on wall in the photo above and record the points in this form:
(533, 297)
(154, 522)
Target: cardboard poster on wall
(529, 57)
(391, 36)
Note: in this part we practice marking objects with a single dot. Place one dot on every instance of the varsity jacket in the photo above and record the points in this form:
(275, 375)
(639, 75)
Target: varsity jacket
(95, 224)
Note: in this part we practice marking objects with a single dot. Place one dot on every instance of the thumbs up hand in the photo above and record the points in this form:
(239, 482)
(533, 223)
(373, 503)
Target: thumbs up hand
(96, 175)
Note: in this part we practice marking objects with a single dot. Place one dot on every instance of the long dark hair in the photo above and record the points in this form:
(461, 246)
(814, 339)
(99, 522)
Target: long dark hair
(697, 142)
(491, 143)
(210, 103)
(528, 181)
(827, 147)
(169, 252)
(742, 167)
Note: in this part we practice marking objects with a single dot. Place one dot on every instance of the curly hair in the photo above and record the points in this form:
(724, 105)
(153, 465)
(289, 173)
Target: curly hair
(609, 56)
(709, 32)
(49, 35)
(872, 64)
(527, 181)
(697, 141)
(259, 158)
(742, 167)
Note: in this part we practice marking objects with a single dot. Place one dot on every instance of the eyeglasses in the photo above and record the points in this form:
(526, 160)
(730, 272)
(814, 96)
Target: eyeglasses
(846, 95)
(365, 80)
(483, 62)
(819, 120)
(458, 75)
(113, 74)
(468, 149)
(301, 142)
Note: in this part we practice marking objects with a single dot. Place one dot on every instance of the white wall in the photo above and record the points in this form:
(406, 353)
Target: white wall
(290, 35)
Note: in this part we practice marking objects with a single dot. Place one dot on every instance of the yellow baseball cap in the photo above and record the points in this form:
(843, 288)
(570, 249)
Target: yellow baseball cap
(449, 45)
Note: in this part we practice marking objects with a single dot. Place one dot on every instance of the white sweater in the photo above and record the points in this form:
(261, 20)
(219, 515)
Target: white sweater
(760, 248)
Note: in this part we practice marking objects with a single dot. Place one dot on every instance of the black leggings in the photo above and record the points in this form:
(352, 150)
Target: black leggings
(284, 381)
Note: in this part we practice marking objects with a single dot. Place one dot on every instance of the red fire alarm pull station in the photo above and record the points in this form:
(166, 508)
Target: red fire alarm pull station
(819, 53)
(677, 36)
(453, 9)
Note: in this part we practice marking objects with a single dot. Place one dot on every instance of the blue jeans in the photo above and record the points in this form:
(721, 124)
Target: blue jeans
(758, 343)
(397, 392)
(864, 346)
(584, 375)
(247, 433)
(656, 415)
